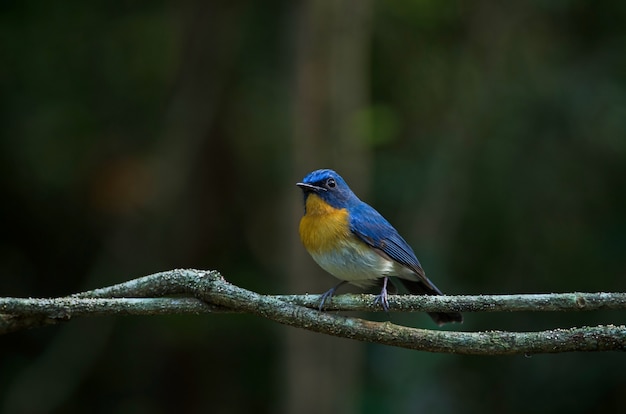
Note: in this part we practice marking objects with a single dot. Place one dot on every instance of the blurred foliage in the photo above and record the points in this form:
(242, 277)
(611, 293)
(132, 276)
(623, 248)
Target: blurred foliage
(142, 136)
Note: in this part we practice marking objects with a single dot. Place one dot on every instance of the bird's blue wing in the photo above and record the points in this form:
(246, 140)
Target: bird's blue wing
(371, 227)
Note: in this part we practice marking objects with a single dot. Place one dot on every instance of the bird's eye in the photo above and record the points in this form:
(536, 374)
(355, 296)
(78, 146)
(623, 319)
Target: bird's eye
(330, 183)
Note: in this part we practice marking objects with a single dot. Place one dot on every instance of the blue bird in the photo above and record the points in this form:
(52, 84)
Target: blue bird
(354, 242)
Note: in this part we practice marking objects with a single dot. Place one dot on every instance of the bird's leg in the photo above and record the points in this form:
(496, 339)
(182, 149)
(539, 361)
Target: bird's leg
(383, 298)
(329, 294)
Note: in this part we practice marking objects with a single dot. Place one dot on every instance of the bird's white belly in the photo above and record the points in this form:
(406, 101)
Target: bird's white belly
(356, 264)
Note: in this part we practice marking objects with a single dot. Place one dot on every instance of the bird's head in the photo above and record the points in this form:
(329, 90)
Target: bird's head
(329, 186)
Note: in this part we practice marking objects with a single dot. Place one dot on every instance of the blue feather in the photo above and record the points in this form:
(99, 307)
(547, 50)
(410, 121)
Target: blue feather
(372, 228)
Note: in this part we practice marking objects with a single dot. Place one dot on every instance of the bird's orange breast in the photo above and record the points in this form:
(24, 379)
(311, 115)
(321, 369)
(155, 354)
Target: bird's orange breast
(323, 227)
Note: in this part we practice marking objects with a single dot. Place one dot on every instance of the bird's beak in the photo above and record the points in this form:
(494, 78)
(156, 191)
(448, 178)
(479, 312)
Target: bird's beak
(309, 187)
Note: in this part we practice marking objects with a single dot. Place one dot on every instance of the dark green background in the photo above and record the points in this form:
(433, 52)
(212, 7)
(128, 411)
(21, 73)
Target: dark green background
(140, 136)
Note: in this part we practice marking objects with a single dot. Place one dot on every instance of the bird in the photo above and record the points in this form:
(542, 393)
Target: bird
(353, 242)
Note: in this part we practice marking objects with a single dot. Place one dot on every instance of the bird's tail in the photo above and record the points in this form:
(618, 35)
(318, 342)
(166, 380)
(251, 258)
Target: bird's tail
(418, 287)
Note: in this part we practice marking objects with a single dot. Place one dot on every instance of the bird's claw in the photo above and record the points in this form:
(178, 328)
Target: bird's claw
(324, 297)
(383, 298)
(329, 294)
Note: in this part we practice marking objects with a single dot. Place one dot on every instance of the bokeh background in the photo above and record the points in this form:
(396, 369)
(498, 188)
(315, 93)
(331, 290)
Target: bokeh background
(140, 136)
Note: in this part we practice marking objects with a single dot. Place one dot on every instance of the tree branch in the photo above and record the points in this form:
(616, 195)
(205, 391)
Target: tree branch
(208, 292)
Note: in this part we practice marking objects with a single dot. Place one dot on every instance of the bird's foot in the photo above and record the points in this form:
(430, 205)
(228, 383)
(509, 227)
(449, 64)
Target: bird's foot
(383, 298)
(325, 296)
(328, 294)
